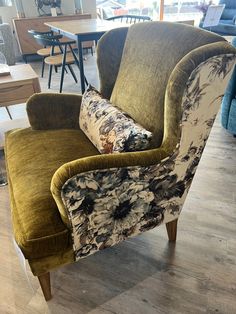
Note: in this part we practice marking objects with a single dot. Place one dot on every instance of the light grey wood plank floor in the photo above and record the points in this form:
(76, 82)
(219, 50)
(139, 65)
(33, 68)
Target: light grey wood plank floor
(144, 274)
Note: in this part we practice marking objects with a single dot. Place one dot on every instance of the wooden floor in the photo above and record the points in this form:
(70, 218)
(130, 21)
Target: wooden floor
(145, 275)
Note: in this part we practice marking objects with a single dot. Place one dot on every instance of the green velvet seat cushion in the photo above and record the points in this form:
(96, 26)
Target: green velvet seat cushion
(32, 158)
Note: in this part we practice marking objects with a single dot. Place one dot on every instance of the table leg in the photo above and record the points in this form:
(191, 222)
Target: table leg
(81, 63)
(8, 111)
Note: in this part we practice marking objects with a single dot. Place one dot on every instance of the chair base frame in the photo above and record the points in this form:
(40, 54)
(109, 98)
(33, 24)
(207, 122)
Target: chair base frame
(44, 279)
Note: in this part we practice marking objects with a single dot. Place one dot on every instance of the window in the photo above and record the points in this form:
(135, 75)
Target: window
(174, 10)
(6, 3)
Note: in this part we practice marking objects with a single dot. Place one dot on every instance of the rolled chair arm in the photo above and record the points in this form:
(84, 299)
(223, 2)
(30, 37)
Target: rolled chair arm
(53, 111)
(100, 162)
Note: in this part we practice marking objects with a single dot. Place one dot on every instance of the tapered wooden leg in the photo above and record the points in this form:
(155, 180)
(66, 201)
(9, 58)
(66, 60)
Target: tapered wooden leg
(44, 281)
(171, 228)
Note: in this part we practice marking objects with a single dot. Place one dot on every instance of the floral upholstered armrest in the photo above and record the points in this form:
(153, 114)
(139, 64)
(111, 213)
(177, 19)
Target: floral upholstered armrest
(106, 164)
(53, 111)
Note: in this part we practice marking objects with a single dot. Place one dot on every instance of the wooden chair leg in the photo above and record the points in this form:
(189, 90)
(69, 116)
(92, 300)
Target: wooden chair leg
(45, 284)
(171, 228)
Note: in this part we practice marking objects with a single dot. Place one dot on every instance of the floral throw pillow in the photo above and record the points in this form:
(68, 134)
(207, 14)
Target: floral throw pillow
(109, 129)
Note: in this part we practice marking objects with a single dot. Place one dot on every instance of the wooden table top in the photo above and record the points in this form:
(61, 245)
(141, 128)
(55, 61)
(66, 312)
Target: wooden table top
(20, 72)
(82, 27)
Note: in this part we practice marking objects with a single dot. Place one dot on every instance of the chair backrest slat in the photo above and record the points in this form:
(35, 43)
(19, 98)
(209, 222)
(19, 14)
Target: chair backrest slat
(130, 18)
(52, 40)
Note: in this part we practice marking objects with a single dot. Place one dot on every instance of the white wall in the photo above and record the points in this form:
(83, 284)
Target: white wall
(89, 6)
(7, 13)
(67, 6)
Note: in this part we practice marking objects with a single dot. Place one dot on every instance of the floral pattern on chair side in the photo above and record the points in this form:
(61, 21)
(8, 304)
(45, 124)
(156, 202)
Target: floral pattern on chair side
(107, 206)
(108, 128)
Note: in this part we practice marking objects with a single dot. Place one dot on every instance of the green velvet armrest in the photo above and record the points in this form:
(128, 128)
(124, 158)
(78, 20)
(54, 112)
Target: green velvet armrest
(106, 161)
(53, 111)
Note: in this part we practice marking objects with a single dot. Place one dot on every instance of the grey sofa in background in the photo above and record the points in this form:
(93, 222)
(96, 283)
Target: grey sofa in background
(7, 43)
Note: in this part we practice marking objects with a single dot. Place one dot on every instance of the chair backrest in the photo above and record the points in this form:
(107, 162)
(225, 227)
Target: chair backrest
(229, 4)
(230, 9)
(48, 40)
(130, 18)
(34, 32)
(229, 95)
(151, 52)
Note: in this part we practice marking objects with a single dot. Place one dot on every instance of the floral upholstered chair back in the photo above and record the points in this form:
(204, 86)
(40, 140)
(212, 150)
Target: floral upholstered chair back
(170, 78)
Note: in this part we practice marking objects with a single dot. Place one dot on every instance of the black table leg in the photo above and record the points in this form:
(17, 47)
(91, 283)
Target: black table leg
(81, 63)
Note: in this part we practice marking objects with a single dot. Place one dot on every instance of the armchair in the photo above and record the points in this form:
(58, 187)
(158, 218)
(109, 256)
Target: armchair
(228, 105)
(227, 25)
(69, 201)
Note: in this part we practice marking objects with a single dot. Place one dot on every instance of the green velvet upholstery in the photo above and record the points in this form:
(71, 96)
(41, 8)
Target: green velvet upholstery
(108, 59)
(33, 157)
(43, 265)
(145, 71)
(53, 111)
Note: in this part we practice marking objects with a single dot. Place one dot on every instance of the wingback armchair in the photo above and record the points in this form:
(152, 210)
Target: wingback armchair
(68, 200)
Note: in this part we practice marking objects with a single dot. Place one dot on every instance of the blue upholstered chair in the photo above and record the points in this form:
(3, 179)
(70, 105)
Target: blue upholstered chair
(226, 24)
(228, 107)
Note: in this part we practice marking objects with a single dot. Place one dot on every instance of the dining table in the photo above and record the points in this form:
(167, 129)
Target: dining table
(83, 30)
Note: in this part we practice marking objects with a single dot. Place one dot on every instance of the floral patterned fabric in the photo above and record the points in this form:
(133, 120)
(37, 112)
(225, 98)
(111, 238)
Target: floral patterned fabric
(109, 129)
(107, 206)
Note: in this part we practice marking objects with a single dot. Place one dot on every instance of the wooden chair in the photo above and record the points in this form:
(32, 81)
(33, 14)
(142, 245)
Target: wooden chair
(130, 18)
(45, 51)
(67, 57)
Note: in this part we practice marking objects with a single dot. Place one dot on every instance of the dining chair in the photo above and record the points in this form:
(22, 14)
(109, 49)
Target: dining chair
(45, 51)
(67, 57)
(130, 18)
(96, 169)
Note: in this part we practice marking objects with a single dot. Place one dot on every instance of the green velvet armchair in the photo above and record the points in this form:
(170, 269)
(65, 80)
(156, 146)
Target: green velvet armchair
(69, 201)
